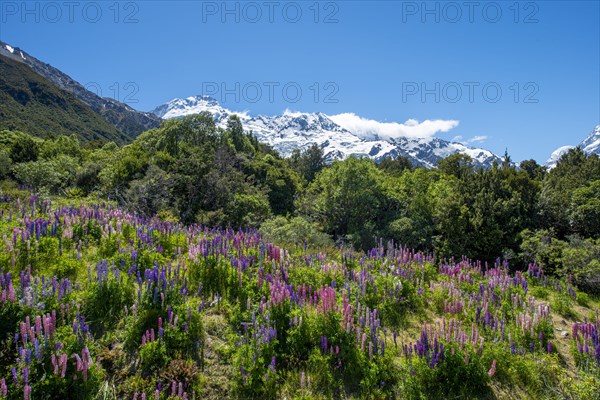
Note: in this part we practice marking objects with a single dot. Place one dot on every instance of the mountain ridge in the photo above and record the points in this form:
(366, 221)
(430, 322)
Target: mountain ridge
(298, 130)
(120, 115)
(33, 104)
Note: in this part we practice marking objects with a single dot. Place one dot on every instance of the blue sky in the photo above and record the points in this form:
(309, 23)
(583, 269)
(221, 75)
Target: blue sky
(389, 61)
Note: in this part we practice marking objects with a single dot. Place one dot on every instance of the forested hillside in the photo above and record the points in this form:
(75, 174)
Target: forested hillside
(35, 105)
(191, 171)
(197, 263)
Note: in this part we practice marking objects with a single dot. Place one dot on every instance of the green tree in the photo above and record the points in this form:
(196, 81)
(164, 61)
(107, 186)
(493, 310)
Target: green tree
(533, 169)
(347, 200)
(409, 208)
(240, 140)
(68, 145)
(450, 217)
(47, 175)
(585, 209)
(396, 166)
(24, 150)
(282, 182)
(574, 170)
(248, 210)
(5, 163)
(457, 164)
(150, 194)
(308, 162)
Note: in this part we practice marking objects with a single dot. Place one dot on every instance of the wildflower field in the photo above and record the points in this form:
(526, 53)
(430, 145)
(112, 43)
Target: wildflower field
(99, 303)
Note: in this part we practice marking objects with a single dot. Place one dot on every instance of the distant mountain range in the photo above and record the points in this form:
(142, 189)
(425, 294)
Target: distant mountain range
(40, 99)
(298, 130)
(590, 145)
(123, 123)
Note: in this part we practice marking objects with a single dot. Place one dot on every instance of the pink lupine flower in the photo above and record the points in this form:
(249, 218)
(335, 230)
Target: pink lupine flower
(27, 393)
(492, 370)
(38, 325)
(63, 361)
(54, 364)
(79, 363)
(364, 339)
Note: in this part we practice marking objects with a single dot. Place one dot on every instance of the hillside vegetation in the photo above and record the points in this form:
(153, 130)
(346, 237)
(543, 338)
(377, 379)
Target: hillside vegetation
(99, 303)
(350, 280)
(193, 172)
(32, 104)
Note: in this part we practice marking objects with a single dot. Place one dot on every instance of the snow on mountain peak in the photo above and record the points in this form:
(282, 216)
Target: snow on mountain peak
(590, 145)
(339, 136)
(191, 105)
(556, 155)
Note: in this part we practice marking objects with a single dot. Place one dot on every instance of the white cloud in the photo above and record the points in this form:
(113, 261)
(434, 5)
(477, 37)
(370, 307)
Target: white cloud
(368, 128)
(477, 139)
(292, 114)
(474, 139)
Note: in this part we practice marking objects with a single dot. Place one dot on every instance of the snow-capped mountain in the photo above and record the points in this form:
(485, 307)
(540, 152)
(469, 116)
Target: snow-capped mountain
(297, 130)
(192, 105)
(590, 145)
